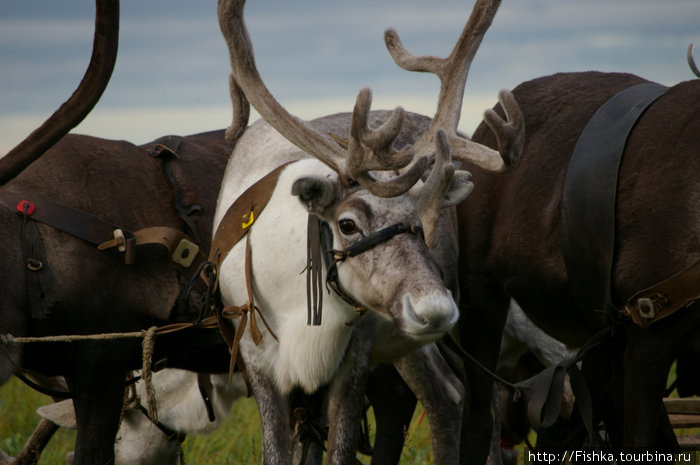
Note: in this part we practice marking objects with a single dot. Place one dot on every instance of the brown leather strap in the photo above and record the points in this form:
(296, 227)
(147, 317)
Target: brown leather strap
(665, 298)
(205, 390)
(104, 234)
(233, 226)
(73, 221)
(246, 313)
(185, 254)
(242, 213)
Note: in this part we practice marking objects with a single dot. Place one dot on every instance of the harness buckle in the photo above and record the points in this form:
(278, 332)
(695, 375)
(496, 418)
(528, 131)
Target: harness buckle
(185, 253)
(648, 306)
(120, 240)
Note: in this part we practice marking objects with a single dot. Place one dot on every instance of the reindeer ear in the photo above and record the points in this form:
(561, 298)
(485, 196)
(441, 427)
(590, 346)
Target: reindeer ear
(318, 194)
(460, 188)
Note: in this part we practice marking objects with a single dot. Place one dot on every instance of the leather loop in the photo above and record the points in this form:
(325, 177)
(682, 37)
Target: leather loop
(665, 298)
(544, 396)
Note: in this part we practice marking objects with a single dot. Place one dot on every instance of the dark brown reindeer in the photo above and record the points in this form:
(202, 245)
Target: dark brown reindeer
(511, 246)
(54, 283)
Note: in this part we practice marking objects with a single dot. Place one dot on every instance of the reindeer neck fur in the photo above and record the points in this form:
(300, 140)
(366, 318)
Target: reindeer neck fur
(305, 356)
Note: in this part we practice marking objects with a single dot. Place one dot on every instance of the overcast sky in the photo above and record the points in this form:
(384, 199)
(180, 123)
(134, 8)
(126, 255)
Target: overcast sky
(172, 67)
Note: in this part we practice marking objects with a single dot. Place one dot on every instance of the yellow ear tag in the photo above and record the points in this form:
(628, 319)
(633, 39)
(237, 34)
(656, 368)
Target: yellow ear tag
(248, 220)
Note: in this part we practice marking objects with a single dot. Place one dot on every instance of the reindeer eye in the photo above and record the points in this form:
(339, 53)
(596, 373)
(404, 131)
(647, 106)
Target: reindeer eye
(347, 227)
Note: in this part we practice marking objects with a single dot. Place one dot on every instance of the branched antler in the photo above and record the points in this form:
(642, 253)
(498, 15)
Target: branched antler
(371, 150)
(453, 72)
(368, 150)
(433, 196)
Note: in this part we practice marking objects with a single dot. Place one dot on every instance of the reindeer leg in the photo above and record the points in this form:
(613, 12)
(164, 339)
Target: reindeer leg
(346, 397)
(97, 382)
(393, 404)
(441, 393)
(273, 409)
(483, 313)
(647, 360)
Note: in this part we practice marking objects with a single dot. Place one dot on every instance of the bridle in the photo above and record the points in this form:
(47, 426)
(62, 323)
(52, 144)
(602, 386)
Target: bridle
(320, 243)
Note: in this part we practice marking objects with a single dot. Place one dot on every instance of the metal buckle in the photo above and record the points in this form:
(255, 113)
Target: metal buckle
(185, 253)
(645, 305)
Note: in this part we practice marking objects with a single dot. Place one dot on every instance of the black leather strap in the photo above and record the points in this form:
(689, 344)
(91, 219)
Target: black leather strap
(588, 202)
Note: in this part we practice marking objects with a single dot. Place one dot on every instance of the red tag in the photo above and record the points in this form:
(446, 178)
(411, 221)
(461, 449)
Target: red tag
(25, 204)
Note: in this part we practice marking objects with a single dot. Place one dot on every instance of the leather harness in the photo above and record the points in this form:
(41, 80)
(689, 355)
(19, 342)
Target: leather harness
(588, 215)
(104, 234)
(235, 225)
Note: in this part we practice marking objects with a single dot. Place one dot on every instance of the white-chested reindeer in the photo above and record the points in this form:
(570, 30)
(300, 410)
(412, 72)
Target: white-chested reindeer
(404, 280)
(382, 225)
(405, 283)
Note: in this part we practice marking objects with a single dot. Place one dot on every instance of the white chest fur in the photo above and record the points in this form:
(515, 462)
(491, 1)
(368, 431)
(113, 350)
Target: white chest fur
(305, 356)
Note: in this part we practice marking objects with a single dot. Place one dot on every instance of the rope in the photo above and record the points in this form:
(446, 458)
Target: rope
(207, 323)
(8, 339)
(149, 342)
(148, 345)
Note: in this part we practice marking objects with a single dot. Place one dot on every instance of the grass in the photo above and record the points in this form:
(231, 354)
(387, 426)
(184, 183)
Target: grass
(238, 441)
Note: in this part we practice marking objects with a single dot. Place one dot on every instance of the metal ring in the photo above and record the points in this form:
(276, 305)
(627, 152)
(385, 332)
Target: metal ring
(34, 265)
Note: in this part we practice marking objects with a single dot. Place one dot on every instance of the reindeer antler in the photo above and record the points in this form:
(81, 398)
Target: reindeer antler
(691, 60)
(433, 195)
(368, 150)
(453, 72)
(80, 103)
(371, 150)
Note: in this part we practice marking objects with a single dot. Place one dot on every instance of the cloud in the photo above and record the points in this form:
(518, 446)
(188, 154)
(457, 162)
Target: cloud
(172, 67)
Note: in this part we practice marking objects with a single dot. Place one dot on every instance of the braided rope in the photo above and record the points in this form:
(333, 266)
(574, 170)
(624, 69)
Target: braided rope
(149, 342)
(8, 339)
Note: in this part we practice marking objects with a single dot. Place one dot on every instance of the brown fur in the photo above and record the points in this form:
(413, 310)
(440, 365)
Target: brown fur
(510, 236)
(95, 291)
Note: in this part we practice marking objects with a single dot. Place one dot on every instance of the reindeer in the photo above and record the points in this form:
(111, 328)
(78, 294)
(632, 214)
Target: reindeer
(72, 288)
(511, 247)
(92, 443)
(181, 412)
(385, 233)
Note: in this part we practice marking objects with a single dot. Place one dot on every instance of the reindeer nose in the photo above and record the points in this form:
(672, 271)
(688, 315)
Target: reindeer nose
(428, 317)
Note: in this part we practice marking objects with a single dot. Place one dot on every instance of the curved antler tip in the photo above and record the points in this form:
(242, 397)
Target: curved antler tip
(364, 95)
(691, 60)
(393, 43)
(505, 95)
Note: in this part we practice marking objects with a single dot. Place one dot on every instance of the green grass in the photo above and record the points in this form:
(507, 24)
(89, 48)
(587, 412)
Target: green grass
(237, 442)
